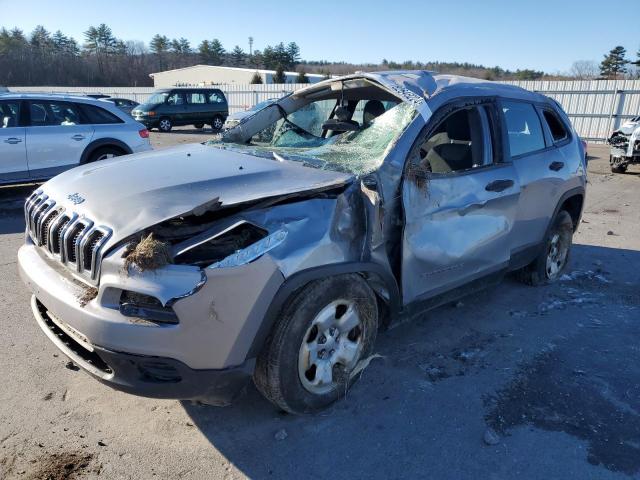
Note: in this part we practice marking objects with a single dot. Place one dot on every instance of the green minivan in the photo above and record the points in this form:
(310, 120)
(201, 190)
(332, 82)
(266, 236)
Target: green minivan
(170, 107)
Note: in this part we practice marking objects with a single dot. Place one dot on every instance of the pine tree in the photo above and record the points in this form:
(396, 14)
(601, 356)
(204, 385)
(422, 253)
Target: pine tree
(256, 79)
(302, 77)
(614, 63)
(279, 76)
(159, 44)
(237, 56)
(217, 52)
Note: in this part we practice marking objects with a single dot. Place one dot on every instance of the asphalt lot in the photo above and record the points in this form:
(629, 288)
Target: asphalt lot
(554, 371)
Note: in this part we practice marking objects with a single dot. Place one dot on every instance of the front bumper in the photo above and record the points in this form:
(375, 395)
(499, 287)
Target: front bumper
(205, 355)
(147, 376)
(146, 121)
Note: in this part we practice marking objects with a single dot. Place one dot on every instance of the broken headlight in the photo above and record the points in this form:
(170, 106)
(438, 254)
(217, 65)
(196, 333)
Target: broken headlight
(252, 252)
(238, 244)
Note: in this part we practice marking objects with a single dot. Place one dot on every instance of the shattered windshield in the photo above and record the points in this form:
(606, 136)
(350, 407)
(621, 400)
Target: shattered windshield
(303, 136)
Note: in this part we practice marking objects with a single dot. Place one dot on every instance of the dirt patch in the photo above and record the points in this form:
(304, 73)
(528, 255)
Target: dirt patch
(88, 295)
(62, 466)
(147, 254)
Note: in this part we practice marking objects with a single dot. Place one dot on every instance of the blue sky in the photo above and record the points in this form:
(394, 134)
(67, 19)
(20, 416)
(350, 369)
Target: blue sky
(546, 34)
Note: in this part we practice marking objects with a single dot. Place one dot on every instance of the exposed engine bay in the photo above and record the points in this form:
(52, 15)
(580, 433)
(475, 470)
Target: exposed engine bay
(625, 147)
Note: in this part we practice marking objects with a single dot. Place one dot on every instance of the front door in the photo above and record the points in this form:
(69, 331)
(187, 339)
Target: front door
(459, 200)
(56, 137)
(176, 109)
(13, 154)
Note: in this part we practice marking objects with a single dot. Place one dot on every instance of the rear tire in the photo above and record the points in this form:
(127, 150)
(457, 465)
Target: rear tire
(198, 125)
(165, 125)
(217, 123)
(325, 329)
(552, 260)
(104, 153)
(618, 169)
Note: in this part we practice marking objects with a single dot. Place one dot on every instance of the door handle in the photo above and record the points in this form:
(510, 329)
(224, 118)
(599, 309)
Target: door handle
(13, 140)
(78, 137)
(555, 166)
(499, 185)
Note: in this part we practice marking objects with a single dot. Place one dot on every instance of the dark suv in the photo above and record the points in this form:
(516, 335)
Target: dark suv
(183, 106)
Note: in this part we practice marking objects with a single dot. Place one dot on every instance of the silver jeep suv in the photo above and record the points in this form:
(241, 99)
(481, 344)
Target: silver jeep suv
(42, 135)
(278, 250)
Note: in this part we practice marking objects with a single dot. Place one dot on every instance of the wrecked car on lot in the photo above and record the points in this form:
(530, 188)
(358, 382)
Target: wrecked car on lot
(278, 250)
(625, 146)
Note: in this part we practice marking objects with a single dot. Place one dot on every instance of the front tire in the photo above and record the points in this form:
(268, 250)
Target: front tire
(553, 259)
(323, 332)
(165, 125)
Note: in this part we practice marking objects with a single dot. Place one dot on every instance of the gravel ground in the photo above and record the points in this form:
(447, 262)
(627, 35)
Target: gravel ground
(511, 382)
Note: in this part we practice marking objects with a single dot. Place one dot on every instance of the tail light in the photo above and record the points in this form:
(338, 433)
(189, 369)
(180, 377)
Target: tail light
(144, 133)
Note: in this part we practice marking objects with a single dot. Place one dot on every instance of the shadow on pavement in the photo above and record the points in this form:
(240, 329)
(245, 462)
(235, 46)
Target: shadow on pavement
(12, 200)
(525, 361)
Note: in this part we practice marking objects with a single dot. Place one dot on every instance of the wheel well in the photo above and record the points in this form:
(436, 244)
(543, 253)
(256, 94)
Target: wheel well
(90, 152)
(573, 205)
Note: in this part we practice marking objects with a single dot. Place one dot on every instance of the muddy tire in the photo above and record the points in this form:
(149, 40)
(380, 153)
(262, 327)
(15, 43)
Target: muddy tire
(165, 125)
(325, 329)
(618, 168)
(104, 153)
(554, 257)
(217, 123)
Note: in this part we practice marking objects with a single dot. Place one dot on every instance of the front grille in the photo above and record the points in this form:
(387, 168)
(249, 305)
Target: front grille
(75, 240)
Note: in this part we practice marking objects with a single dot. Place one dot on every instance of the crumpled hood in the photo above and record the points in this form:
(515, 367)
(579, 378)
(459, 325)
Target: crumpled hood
(131, 193)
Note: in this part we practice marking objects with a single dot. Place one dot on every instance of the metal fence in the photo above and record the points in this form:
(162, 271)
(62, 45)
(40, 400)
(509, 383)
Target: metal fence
(596, 107)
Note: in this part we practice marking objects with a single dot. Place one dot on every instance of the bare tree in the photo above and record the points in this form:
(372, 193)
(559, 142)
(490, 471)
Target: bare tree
(584, 70)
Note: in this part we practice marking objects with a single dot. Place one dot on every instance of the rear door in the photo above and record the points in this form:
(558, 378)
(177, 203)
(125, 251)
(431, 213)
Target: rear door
(459, 198)
(199, 111)
(218, 103)
(56, 137)
(13, 154)
(540, 167)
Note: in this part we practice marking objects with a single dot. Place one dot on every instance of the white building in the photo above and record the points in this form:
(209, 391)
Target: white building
(200, 75)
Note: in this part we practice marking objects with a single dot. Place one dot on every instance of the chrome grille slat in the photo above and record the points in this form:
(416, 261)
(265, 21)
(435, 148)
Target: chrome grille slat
(45, 211)
(75, 240)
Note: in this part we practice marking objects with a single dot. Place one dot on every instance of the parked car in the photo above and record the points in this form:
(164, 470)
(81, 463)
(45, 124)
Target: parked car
(42, 135)
(377, 194)
(183, 106)
(235, 118)
(123, 104)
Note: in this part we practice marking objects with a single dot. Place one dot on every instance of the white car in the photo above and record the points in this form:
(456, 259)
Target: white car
(42, 135)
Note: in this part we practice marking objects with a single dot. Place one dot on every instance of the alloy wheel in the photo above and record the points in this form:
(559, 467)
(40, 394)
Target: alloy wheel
(556, 256)
(331, 347)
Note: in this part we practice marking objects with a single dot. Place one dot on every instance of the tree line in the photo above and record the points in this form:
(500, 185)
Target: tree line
(102, 59)
(45, 58)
